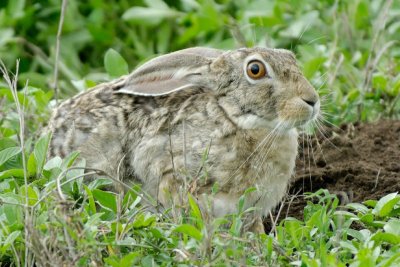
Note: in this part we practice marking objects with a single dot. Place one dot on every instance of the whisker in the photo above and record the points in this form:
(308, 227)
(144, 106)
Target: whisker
(312, 151)
(323, 112)
(268, 151)
(316, 39)
(261, 144)
(330, 123)
(316, 138)
(322, 76)
(325, 96)
(309, 161)
(320, 126)
(304, 31)
(304, 160)
(326, 138)
(264, 154)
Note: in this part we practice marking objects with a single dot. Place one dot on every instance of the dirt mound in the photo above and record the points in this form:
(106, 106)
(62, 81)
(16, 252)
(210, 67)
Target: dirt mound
(356, 161)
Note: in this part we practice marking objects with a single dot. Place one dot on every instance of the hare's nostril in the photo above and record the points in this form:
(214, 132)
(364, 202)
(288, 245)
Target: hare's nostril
(310, 102)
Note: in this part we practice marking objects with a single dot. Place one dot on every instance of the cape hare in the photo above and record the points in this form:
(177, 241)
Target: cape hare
(198, 116)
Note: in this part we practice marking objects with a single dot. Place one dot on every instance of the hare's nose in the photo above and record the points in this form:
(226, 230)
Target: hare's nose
(310, 102)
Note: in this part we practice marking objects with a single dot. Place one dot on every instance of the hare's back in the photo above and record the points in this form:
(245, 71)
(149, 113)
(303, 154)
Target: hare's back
(91, 122)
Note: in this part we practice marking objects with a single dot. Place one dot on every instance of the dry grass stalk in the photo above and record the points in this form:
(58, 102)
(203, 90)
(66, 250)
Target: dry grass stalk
(58, 44)
(12, 83)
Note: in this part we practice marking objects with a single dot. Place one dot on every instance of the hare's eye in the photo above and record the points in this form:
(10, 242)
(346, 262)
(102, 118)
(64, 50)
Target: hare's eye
(256, 69)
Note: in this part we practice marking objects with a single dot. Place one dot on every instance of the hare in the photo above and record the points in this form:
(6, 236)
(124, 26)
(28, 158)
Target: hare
(192, 119)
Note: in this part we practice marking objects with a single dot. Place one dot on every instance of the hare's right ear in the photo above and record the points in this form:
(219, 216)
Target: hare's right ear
(189, 68)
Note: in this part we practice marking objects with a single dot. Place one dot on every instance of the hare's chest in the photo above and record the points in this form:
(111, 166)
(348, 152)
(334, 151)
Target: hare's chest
(257, 160)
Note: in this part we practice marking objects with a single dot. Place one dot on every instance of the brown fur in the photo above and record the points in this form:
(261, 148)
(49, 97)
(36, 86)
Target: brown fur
(162, 139)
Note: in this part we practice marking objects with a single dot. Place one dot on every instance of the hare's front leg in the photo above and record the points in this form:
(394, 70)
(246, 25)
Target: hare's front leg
(257, 226)
(171, 193)
(227, 203)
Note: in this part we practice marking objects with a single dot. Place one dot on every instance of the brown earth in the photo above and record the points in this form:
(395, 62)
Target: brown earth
(356, 161)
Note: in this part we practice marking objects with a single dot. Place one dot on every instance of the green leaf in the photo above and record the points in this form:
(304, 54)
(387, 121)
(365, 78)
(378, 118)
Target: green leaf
(148, 261)
(367, 218)
(294, 228)
(386, 204)
(53, 163)
(33, 196)
(12, 210)
(112, 261)
(12, 173)
(312, 66)
(6, 34)
(143, 220)
(15, 8)
(358, 207)
(370, 203)
(348, 245)
(148, 15)
(130, 259)
(361, 15)
(347, 214)
(115, 64)
(189, 230)
(236, 226)
(156, 4)
(391, 261)
(353, 94)
(106, 199)
(69, 160)
(8, 153)
(7, 142)
(100, 182)
(386, 237)
(79, 170)
(195, 211)
(9, 240)
(31, 165)
(395, 91)
(392, 226)
(356, 234)
(242, 198)
(297, 28)
(92, 205)
(40, 152)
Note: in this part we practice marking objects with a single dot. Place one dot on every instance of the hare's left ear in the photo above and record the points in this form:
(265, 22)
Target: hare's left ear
(189, 68)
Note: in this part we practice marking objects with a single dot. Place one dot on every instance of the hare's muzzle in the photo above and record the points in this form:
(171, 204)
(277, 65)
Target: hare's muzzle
(313, 103)
(301, 105)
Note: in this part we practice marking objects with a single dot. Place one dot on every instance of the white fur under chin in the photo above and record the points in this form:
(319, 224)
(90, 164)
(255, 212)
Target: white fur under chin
(251, 121)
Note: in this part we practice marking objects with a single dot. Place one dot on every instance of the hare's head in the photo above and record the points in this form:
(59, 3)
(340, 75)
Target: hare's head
(257, 87)
(268, 88)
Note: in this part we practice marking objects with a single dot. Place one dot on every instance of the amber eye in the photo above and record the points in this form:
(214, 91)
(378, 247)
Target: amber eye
(256, 69)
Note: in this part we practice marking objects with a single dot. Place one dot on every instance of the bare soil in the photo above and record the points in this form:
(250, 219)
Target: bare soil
(356, 161)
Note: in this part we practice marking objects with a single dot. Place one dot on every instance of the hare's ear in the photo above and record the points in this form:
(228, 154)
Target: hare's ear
(163, 75)
(204, 51)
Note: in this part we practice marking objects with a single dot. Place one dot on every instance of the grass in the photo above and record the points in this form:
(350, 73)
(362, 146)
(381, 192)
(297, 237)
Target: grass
(51, 214)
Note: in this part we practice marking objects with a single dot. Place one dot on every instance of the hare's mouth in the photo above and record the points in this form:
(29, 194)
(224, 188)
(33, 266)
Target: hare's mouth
(285, 121)
(298, 121)
(298, 112)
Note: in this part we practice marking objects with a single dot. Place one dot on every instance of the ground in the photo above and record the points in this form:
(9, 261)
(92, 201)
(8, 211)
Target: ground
(356, 161)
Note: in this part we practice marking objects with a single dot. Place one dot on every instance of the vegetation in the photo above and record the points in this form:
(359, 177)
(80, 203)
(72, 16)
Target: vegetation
(52, 215)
